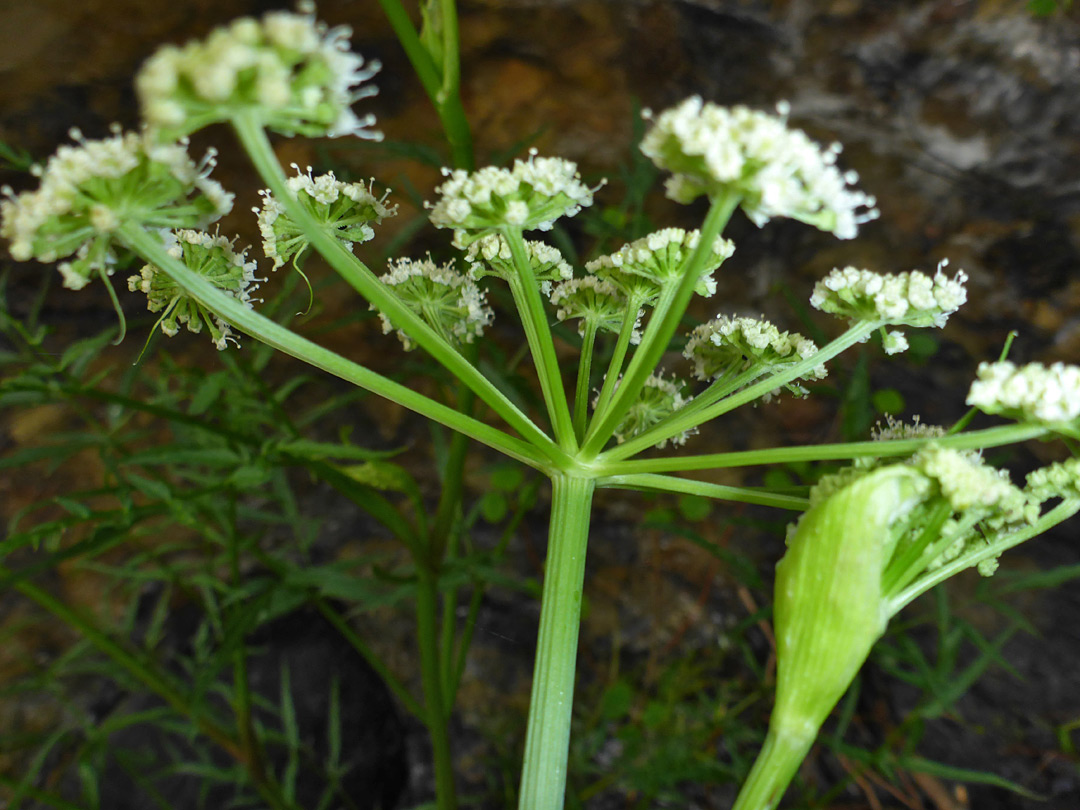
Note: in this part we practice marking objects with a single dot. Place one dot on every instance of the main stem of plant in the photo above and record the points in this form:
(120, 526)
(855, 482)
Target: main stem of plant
(547, 739)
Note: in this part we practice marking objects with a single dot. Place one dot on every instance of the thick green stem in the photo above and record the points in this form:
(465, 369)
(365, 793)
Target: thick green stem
(150, 248)
(669, 483)
(435, 715)
(356, 274)
(662, 325)
(526, 290)
(975, 440)
(773, 770)
(547, 739)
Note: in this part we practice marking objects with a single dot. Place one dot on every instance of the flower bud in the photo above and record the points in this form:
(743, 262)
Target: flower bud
(829, 606)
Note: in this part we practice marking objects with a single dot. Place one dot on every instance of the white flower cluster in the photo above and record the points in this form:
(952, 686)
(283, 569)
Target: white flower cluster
(967, 482)
(1033, 392)
(533, 194)
(1058, 480)
(212, 257)
(660, 257)
(904, 299)
(593, 300)
(982, 497)
(299, 75)
(659, 398)
(490, 256)
(447, 300)
(897, 430)
(345, 210)
(88, 190)
(776, 171)
(728, 345)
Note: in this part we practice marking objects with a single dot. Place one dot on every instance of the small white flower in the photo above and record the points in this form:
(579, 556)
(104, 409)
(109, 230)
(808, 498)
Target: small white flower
(776, 171)
(214, 258)
(88, 190)
(447, 300)
(1033, 392)
(894, 342)
(904, 299)
(532, 194)
(659, 259)
(728, 346)
(345, 210)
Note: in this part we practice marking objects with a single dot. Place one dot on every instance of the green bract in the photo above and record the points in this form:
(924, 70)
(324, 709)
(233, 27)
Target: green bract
(296, 74)
(89, 190)
(828, 599)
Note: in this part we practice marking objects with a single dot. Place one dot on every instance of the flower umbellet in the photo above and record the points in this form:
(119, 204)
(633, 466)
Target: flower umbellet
(531, 195)
(449, 301)
(491, 256)
(1034, 392)
(657, 260)
(214, 258)
(776, 171)
(88, 190)
(909, 511)
(295, 73)
(344, 210)
(747, 348)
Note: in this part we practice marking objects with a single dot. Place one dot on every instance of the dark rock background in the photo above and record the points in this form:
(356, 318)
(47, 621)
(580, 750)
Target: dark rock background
(962, 116)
